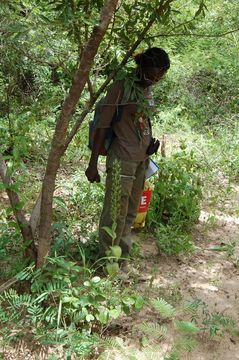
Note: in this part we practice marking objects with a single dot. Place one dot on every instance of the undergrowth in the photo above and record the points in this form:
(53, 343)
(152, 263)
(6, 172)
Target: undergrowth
(66, 305)
(175, 204)
(69, 307)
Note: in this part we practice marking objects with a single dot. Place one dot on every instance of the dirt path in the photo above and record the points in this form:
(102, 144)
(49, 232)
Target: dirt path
(208, 275)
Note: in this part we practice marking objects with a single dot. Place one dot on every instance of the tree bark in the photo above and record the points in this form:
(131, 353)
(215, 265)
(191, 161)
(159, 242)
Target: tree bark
(58, 143)
(19, 214)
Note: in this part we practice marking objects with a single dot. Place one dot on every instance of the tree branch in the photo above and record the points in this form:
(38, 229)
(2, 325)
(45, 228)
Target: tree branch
(35, 215)
(196, 35)
(12, 195)
(8, 284)
(163, 6)
(19, 214)
(90, 87)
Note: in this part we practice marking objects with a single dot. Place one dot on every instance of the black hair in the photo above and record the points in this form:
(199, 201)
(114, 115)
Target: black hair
(154, 57)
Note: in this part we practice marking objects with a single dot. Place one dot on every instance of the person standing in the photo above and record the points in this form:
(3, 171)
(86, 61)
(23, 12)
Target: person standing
(131, 147)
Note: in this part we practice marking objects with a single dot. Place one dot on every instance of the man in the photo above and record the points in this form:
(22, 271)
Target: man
(131, 147)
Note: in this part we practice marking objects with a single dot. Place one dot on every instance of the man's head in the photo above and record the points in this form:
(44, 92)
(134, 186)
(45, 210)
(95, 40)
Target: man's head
(152, 65)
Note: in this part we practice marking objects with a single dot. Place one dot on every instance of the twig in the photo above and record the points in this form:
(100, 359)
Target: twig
(8, 284)
(193, 34)
(163, 146)
(90, 87)
(20, 215)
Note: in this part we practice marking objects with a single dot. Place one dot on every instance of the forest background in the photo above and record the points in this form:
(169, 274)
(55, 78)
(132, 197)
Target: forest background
(44, 137)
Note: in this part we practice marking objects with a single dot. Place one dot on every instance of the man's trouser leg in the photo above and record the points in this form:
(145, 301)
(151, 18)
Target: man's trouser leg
(134, 200)
(132, 177)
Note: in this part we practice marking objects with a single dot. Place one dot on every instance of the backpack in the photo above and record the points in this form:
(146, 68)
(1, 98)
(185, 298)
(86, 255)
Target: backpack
(93, 125)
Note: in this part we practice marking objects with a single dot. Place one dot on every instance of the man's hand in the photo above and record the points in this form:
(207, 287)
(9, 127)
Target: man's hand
(153, 146)
(92, 174)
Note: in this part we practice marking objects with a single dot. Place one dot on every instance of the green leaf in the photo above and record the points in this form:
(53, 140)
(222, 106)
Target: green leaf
(219, 248)
(129, 301)
(110, 232)
(13, 224)
(89, 318)
(95, 280)
(116, 251)
(84, 301)
(112, 269)
(103, 317)
(115, 313)
(139, 302)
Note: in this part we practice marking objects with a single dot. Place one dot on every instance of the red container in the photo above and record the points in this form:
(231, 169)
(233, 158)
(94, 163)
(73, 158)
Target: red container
(143, 206)
(145, 201)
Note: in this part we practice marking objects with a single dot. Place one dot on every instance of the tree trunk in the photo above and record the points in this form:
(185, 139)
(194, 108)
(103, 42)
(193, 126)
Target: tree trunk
(20, 215)
(57, 148)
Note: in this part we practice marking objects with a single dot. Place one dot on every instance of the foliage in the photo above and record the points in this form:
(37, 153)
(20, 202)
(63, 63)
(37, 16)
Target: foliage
(215, 323)
(172, 240)
(154, 330)
(66, 305)
(177, 192)
(185, 338)
(164, 308)
(175, 204)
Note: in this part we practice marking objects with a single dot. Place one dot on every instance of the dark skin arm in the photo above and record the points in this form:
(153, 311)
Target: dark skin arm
(91, 172)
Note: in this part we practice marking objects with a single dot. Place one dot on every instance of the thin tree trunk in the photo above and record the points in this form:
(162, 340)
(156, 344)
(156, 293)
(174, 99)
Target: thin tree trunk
(58, 143)
(20, 215)
(163, 146)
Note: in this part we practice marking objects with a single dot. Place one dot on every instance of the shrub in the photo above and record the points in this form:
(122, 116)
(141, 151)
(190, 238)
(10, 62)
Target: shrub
(175, 205)
(171, 240)
(177, 193)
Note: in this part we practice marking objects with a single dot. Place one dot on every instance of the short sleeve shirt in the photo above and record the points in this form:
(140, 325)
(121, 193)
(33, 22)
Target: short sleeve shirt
(127, 144)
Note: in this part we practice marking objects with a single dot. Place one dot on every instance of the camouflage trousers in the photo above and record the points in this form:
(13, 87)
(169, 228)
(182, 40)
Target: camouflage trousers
(132, 176)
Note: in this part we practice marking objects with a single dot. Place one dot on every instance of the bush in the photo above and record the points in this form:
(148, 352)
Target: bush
(172, 240)
(175, 205)
(177, 193)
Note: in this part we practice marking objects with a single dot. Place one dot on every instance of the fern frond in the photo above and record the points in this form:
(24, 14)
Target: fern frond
(154, 330)
(47, 288)
(16, 301)
(192, 308)
(186, 327)
(151, 352)
(3, 315)
(163, 307)
(114, 343)
(185, 344)
(14, 304)
(35, 313)
(50, 314)
(172, 356)
(26, 273)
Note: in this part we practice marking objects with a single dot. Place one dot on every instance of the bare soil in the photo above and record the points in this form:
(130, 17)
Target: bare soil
(209, 275)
